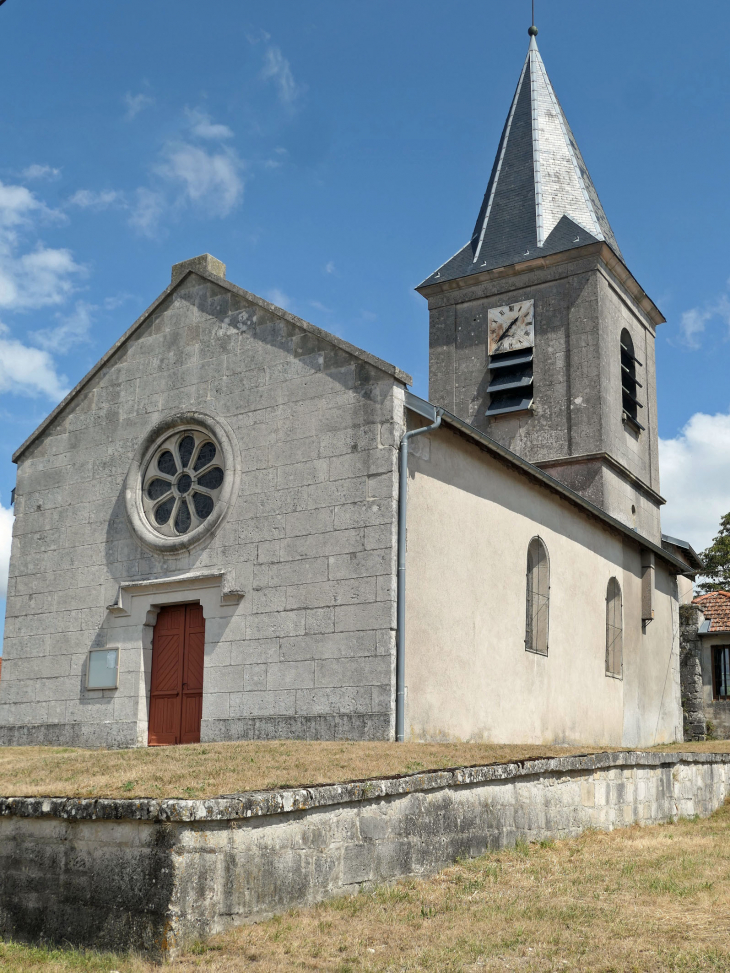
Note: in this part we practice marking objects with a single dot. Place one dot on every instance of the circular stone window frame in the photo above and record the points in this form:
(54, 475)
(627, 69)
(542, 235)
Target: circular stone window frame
(219, 430)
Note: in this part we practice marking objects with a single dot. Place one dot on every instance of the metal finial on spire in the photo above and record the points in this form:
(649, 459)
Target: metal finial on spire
(533, 30)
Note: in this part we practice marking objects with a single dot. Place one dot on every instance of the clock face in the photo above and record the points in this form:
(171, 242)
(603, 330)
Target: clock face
(512, 327)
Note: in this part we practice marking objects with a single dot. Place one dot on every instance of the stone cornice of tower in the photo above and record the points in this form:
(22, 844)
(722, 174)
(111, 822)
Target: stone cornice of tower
(618, 272)
(540, 199)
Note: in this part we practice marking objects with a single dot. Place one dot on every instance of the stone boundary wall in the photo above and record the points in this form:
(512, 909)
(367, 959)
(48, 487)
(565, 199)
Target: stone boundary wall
(158, 874)
(690, 665)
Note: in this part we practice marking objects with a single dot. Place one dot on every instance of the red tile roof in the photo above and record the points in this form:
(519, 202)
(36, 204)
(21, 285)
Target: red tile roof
(715, 605)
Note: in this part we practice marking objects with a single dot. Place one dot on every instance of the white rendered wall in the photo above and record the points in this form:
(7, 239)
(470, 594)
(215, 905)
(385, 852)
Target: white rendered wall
(468, 676)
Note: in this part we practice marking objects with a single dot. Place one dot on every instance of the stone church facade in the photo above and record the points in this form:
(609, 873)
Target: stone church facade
(209, 528)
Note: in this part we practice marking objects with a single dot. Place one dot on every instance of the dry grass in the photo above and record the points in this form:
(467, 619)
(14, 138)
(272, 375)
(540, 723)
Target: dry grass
(210, 769)
(642, 899)
(207, 770)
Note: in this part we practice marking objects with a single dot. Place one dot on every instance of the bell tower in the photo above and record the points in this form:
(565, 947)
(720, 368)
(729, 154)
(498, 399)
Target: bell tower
(540, 336)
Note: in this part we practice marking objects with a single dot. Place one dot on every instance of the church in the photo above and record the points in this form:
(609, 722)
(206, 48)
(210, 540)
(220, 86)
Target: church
(238, 526)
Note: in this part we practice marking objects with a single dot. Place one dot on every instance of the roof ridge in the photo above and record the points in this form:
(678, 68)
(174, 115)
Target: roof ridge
(497, 168)
(596, 229)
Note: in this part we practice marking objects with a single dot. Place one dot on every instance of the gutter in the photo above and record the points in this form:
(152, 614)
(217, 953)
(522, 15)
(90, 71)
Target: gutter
(429, 412)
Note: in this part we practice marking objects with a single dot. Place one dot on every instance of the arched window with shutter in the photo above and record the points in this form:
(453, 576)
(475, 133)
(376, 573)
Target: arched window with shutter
(614, 630)
(538, 597)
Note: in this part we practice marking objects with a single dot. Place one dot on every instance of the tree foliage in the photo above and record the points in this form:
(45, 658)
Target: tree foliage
(717, 560)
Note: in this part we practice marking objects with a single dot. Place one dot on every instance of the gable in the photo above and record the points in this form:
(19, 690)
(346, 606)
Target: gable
(197, 328)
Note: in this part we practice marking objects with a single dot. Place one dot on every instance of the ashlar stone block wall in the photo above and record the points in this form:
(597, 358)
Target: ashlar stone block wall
(309, 542)
(580, 311)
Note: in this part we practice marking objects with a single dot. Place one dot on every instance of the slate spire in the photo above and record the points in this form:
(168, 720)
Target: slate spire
(540, 198)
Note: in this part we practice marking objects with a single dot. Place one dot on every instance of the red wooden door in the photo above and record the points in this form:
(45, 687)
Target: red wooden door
(176, 694)
(192, 687)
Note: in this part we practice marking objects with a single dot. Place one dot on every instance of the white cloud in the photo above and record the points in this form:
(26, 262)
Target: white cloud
(280, 299)
(202, 126)
(147, 211)
(73, 329)
(18, 205)
(6, 533)
(186, 174)
(41, 276)
(41, 172)
(28, 371)
(36, 279)
(257, 36)
(692, 325)
(277, 69)
(208, 179)
(112, 303)
(136, 103)
(89, 199)
(694, 322)
(695, 479)
(329, 267)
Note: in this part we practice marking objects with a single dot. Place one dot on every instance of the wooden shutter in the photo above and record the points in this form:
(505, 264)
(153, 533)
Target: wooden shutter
(614, 629)
(538, 597)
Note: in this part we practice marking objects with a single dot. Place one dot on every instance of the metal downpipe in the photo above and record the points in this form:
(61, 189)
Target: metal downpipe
(400, 658)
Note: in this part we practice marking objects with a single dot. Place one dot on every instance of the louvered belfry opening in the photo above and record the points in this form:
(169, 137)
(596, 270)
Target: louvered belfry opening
(538, 597)
(630, 384)
(176, 691)
(510, 385)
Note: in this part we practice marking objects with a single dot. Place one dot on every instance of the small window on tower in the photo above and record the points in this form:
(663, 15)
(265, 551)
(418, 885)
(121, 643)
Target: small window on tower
(538, 597)
(630, 384)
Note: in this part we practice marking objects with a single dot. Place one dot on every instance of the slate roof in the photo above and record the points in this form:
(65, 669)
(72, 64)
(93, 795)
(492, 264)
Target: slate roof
(684, 551)
(715, 606)
(540, 198)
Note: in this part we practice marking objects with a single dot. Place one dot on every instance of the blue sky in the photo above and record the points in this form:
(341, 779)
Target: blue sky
(333, 154)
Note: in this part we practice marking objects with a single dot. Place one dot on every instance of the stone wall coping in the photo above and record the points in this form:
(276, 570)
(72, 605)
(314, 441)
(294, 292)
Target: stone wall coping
(257, 804)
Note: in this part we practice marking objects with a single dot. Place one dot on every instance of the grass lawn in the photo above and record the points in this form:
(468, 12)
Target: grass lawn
(210, 769)
(640, 899)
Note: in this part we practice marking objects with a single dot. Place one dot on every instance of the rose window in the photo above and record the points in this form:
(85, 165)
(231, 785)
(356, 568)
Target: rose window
(182, 483)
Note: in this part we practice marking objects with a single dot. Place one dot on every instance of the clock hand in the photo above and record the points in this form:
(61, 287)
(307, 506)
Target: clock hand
(509, 327)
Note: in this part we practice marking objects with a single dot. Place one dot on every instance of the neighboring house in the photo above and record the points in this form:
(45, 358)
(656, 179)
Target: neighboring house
(208, 529)
(712, 624)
